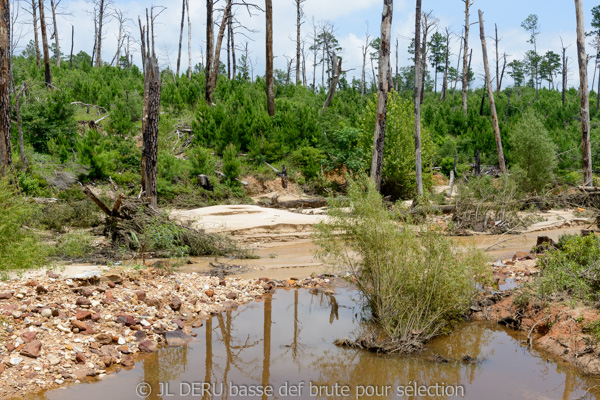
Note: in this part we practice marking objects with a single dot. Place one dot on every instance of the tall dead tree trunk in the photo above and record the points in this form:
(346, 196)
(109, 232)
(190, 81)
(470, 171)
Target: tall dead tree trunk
(446, 64)
(490, 92)
(216, 59)
(228, 49)
(233, 59)
(18, 101)
(382, 93)
(189, 21)
(53, 6)
(5, 74)
(99, 35)
(397, 77)
(418, 161)
(426, 26)
(457, 68)
(180, 37)
(497, 43)
(465, 76)
(335, 79)
(72, 43)
(47, 72)
(564, 71)
(502, 73)
(269, 61)
(586, 149)
(209, 51)
(151, 113)
(35, 33)
(298, 26)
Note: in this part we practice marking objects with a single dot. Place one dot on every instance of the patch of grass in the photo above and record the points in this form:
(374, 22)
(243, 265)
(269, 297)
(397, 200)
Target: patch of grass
(74, 245)
(417, 284)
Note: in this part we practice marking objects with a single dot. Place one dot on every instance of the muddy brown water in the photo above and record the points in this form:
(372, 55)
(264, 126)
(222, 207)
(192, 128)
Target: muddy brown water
(285, 342)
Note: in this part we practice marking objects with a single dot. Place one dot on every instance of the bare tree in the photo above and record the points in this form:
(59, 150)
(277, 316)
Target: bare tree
(209, 51)
(457, 68)
(382, 93)
(446, 63)
(365, 51)
(5, 77)
(336, 62)
(427, 25)
(465, 74)
(215, 58)
(299, 15)
(584, 94)
(121, 36)
(33, 13)
(189, 21)
(53, 5)
(418, 162)
(151, 113)
(565, 62)
(47, 72)
(490, 92)
(72, 44)
(180, 37)
(269, 61)
(396, 83)
(102, 7)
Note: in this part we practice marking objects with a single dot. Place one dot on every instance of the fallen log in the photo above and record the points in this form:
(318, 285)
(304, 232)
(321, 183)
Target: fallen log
(300, 203)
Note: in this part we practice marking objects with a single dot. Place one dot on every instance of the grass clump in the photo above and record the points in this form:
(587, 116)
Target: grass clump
(20, 247)
(572, 270)
(416, 284)
(74, 245)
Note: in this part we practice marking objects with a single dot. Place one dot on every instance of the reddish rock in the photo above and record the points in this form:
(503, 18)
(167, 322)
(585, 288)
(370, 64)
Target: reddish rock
(153, 302)
(1, 368)
(141, 295)
(10, 347)
(197, 323)
(127, 361)
(41, 289)
(110, 351)
(32, 283)
(210, 293)
(106, 360)
(222, 282)
(83, 327)
(5, 296)
(175, 303)
(103, 338)
(82, 301)
(180, 324)
(28, 336)
(123, 349)
(111, 284)
(126, 320)
(32, 349)
(147, 346)
(140, 336)
(96, 317)
(81, 315)
(232, 295)
(79, 358)
(52, 275)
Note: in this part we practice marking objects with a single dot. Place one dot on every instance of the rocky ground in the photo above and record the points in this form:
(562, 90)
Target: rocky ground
(57, 330)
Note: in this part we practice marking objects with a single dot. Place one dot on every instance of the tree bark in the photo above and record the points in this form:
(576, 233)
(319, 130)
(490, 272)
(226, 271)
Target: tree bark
(502, 73)
(18, 100)
(490, 92)
(99, 38)
(47, 72)
(564, 71)
(72, 43)
(220, 37)
(298, 25)
(209, 51)
(465, 77)
(189, 21)
(418, 161)
(585, 101)
(180, 37)
(57, 54)
(269, 61)
(232, 38)
(337, 70)
(35, 33)
(5, 74)
(446, 61)
(497, 42)
(382, 93)
(150, 118)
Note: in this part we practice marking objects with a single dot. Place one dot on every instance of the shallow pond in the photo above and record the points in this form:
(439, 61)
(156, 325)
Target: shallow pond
(285, 343)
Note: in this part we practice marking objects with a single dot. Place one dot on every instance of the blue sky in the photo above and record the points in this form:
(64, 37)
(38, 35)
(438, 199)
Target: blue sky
(350, 18)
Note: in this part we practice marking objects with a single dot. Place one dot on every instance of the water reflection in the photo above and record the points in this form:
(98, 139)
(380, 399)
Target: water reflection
(293, 345)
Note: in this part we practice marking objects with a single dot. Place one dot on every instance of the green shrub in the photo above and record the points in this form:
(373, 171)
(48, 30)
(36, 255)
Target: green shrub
(572, 270)
(416, 284)
(20, 247)
(533, 151)
(232, 166)
(309, 161)
(74, 245)
(96, 152)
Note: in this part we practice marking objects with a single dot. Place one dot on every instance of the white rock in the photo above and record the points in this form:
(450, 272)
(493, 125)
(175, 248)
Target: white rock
(145, 323)
(121, 341)
(16, 360)
(53, 360)
(59, 381)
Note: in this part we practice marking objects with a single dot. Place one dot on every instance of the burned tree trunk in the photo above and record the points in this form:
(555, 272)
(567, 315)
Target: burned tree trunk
(180, 37)
(35, 33)
(151, 115)
(446, 61)
(53, 6)
(232, 38)
(18, 100)
(585, 100)
(99, 35)
(490, 92)
(209, 51)
(382, 93)
(189, 21)
(47, 72)
(418, 165)
(217, 56)
(298, 25)
(269, 61)
(72, 43)
(564, 71)
(5, 74)
(465, 75)
(337, 70)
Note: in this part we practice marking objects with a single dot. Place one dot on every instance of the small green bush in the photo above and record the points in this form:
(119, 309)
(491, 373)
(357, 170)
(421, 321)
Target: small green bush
(309, 161)
(74, 245)
(533, 151)
(232, 166)
(416, 284)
